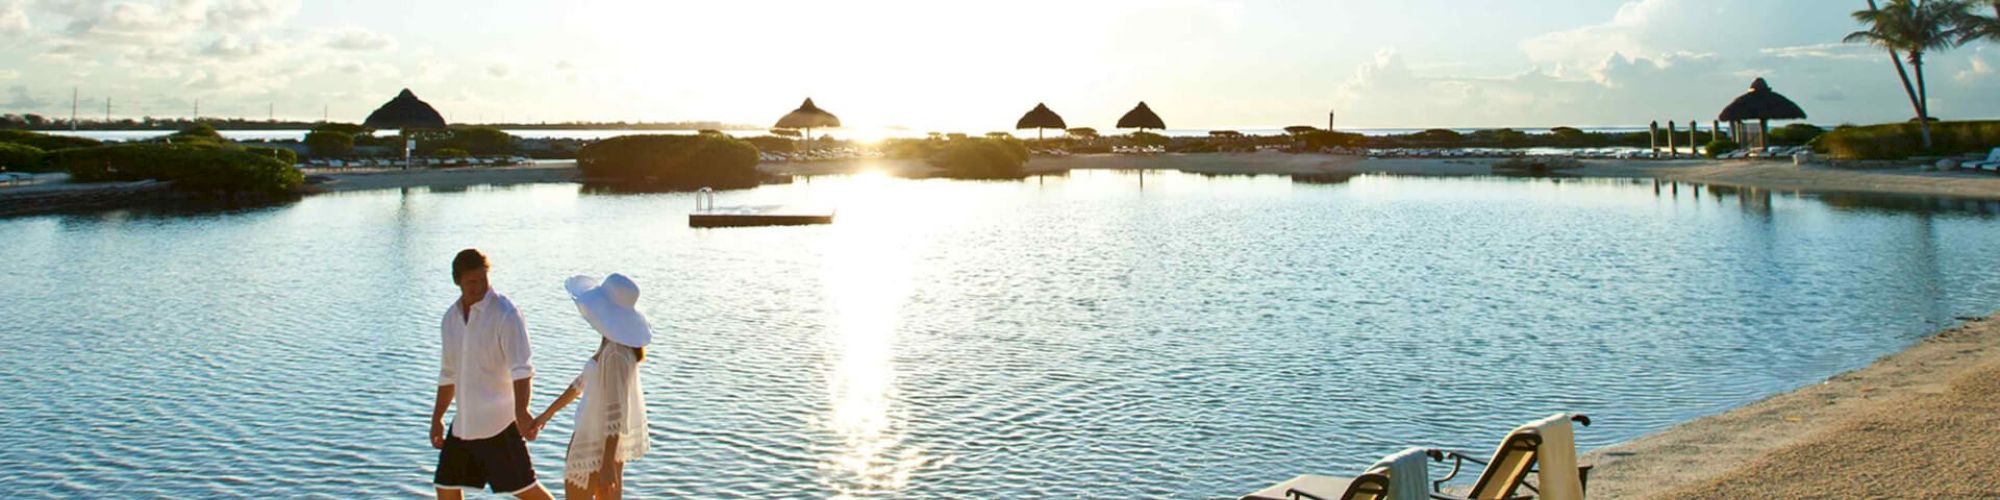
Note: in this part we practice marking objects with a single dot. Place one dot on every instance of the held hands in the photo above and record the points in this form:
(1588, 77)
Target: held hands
(528, 425)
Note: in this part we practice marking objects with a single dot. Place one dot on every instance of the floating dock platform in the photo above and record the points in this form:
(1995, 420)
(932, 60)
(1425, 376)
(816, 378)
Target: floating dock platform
(706, 214)
(771, 215)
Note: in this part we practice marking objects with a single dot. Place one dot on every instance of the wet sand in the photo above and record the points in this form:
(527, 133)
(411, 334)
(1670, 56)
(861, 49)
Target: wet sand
(1922, 423)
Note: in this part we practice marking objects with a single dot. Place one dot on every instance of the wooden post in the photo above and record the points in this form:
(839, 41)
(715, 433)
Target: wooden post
(1671, 150)
(1694, 127)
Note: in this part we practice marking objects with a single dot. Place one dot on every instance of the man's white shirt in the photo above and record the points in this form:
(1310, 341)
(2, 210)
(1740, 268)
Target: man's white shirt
(483, 356)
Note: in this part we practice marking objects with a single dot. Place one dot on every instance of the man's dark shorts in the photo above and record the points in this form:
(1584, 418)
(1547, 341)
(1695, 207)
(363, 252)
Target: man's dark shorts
(499, 461)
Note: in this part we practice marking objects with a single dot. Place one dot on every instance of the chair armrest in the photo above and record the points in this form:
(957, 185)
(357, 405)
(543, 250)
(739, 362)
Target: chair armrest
(1295, 494)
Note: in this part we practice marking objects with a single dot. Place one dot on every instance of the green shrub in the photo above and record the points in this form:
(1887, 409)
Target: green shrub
(46, 142)
(1325, 139)
(350, 129)
(199, 132)
(329, 143)
(1144, 138)
(672, 161)
(477, 140)
(773, 143)
(281, 154)
(451, 153)
(1894, 141)
(20, 158)
(203, 168)
(1718, 147)
(1796, 134)
(982, 159)
(1438, 137)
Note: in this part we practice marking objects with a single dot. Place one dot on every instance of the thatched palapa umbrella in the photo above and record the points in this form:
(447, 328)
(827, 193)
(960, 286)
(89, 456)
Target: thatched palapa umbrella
(808, 117)
(1040, 118)
(1763, 105)
(1141, 118)
(405, 113)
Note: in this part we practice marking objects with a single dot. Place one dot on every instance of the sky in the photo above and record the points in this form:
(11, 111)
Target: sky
(970, 66)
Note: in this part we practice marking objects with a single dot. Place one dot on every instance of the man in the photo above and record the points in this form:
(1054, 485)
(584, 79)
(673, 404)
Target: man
(486, 371)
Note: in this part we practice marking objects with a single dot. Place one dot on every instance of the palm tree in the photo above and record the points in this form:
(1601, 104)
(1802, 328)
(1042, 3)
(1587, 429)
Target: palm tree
(1913, 27)
(1974, 27)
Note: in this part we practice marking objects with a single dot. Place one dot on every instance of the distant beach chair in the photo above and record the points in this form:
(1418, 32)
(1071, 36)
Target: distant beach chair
(1542, 442)
(1992, 162)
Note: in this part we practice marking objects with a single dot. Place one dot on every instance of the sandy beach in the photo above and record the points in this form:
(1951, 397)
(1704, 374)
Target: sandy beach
(1916, 424)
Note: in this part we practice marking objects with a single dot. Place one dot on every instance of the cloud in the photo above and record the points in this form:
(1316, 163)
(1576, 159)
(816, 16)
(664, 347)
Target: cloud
(1833, 51)
(1978, 68)
(18, 99)
(499, 70)
(135, 23)
(234, 48)
(13, 19)
(249, 15)
(358, 39)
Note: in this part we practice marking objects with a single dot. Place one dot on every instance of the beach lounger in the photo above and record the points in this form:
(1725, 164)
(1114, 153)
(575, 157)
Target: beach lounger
(1404, 474)
(1545, 448)
(1992, 162)
(1371, 485)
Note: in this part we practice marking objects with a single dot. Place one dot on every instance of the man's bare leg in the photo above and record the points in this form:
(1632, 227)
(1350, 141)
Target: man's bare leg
(450, 494)
(535, 492)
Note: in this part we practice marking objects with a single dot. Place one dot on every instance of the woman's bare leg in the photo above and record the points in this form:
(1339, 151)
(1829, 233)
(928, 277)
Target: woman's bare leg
(606, 482)
(573, 491)
(617, 482)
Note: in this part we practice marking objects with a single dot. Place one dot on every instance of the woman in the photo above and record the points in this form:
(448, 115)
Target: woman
(611, 423)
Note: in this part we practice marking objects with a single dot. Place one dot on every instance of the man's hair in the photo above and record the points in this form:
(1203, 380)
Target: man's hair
(466, 261)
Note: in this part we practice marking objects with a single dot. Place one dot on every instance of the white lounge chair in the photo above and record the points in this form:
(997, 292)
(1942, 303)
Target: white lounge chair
(1992, 162)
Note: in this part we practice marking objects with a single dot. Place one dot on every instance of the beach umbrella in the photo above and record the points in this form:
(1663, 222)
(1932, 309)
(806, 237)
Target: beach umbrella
(808, 117)
(1040, 118)
(405, 113)
(1763, 105)
(1141, 118)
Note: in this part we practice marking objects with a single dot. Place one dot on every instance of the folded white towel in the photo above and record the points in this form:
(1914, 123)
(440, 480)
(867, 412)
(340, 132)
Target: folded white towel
(1409, 474)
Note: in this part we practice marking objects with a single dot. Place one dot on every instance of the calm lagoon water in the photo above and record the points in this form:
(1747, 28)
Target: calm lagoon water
(592, 135)
(1059, 337)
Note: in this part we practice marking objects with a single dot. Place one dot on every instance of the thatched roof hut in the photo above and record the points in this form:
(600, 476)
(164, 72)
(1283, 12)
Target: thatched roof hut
(405, 112)
(1141, 118)
(1040, 118)
(1760, 104)
(808, 117)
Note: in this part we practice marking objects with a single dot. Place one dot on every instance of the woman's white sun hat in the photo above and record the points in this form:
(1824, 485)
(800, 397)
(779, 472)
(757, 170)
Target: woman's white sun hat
(609, 307)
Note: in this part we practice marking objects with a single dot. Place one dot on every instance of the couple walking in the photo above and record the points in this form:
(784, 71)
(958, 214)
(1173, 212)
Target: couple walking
(486, 371)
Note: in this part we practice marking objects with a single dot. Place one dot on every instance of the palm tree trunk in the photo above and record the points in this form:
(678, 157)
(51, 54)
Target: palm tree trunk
(1908, 90)
(1923, 98)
